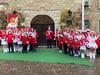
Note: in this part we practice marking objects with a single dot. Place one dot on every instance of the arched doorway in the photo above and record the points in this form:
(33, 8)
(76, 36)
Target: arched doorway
(41, 23)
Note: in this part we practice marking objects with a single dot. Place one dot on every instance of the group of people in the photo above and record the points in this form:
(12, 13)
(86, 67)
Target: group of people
(17, 39)
(75, 42)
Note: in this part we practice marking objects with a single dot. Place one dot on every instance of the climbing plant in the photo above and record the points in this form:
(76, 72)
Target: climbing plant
(66, 15)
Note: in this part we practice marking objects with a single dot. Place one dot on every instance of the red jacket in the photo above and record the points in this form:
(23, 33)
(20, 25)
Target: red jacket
(37, 34)
(30, 40)
(65, 40)
(0, 33)
(49, 34)
(76, 44)
(98, 41)
(10, 38)
(70, 43)
(3, 36)
(60, 40)
(83, 42)
(34, 41)
(25, 40)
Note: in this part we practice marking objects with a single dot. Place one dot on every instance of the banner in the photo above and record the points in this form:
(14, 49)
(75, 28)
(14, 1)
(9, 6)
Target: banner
(12, 20)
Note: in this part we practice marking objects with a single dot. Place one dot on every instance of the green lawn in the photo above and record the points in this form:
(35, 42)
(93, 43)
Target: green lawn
(46, 56)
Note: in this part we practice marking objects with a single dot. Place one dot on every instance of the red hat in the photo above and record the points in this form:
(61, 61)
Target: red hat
(92, 32)
(4, 31)
(98, 33)
(28, 29)
(16, 28)
(32, 28)
(21, 28)
(88, 30)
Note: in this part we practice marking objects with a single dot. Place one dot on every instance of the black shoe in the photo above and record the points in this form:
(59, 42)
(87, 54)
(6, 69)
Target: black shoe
(50, 47)
(12, 51)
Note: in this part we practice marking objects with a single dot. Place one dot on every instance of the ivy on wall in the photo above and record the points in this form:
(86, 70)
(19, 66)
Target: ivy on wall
(67, 15)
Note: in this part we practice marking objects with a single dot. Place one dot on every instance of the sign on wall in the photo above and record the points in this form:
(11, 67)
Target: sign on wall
(12, 20)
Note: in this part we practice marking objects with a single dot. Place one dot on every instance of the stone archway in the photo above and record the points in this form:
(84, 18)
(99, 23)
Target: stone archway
(54, 14)
(41, 24)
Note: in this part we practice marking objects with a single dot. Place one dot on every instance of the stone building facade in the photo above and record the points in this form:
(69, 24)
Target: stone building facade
(32, 8)
(92, 15)
(41, 14)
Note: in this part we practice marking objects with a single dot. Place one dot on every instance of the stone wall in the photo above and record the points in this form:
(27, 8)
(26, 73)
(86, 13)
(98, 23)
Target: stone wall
(52, 8)
(92, 13)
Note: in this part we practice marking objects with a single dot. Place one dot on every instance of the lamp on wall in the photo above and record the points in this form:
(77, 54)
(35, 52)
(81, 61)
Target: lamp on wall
(69, 12)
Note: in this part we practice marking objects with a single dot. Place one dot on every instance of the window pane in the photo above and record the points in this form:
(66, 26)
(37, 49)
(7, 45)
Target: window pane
(99, 25)
(86, 26)
(69, 22)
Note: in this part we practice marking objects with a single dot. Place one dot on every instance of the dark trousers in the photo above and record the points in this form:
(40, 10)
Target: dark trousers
(34, 48)
(37, 43)
(65, 48)
(55, 43)
(49, 41)
(60, 47)
(71, 52)
(31, 47)
(24, 49)
(10, 45)
(76, 51)
(0, 43)
(98, 51)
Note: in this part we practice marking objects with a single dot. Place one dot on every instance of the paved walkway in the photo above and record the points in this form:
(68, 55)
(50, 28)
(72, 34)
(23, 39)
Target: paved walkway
(32, 68)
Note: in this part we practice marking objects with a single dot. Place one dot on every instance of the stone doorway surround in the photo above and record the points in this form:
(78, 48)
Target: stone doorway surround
(54, 14)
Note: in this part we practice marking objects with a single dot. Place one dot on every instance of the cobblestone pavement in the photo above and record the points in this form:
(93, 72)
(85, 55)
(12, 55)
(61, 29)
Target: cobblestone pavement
(32, 68)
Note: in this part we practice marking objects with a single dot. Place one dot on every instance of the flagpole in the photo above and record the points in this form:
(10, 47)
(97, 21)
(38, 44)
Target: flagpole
(83, 14)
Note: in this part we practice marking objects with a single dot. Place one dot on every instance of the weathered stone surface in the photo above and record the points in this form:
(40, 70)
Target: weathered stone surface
(92, 13)
(52, 8)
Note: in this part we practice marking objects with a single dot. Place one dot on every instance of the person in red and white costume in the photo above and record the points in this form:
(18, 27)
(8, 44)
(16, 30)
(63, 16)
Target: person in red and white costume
(60, 42)
(25, 42)
(70, 45)
(34, 42)
(10, 41)
(92, 44)
(49, 34)
(65, 43)
(19, 43)
(76, 44)
(98, 43)
(0, 37)
(83, 46)
(4, 42)
(30, 41)
(15, 40)
(56, 34)
(37, 36)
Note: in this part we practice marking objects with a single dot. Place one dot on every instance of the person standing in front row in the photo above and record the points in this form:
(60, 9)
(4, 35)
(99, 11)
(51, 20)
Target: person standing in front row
(25, 42)
(49, 34)
(10, 41)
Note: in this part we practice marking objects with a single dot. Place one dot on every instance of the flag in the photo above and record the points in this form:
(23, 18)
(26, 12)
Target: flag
(12, 20)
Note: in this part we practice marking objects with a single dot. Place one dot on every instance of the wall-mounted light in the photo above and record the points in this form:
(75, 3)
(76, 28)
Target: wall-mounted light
(31, 1)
